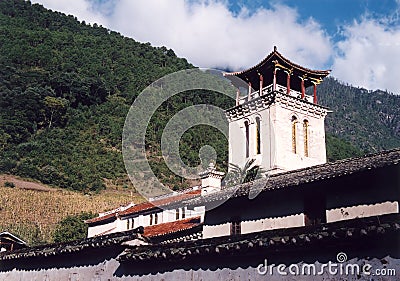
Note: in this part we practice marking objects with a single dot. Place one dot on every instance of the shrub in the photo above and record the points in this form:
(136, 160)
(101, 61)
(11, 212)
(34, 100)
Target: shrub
(9, 184)
(72, 228)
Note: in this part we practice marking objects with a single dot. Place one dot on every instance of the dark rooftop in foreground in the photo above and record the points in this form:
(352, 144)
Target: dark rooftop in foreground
(103, 241)
(352, 231)
(306, 175)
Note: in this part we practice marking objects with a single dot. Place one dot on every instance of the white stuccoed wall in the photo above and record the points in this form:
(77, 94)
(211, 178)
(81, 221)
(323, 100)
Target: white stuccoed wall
(276, 134)
(361, 211)
(96, 230)
(216, 230)
(272, 223)
(254, 226)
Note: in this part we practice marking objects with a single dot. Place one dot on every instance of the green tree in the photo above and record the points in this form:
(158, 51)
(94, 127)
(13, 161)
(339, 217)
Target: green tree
(72, 228)
(56, 107)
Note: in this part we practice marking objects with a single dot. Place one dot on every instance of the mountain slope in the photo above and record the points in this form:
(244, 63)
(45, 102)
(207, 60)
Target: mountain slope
(32, 210)
(64, 93)
(369, 120)
(66, 87)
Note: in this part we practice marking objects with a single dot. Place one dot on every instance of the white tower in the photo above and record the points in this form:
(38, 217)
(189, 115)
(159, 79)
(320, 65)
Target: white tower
(276, 123)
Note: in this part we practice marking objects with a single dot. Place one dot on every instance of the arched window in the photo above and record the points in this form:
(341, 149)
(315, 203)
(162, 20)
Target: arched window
(246, 125)
(294, 140)
(258, 138)
(305, 132)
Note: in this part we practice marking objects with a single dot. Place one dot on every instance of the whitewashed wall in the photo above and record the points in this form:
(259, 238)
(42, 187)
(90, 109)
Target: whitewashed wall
(361, 211)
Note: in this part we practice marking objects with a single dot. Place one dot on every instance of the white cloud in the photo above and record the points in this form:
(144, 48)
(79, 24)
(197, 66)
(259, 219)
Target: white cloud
(207, 33)
(210, 35)
(369, 55)
(82, 9)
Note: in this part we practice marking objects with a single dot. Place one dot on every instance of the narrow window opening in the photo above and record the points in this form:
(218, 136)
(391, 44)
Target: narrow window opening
(258, 136)
(151, 219)
(246, 124)
(294, 140)
(305, 128)
(183, 213)
(155, 218)
(177, 214)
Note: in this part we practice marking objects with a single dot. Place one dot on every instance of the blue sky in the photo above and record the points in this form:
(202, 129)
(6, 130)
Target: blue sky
(358, 39)
(331, 14)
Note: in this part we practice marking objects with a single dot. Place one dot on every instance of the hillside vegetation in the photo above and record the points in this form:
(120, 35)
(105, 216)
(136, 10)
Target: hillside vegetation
(32, 210)
(65, 90)
(369, 120)
(66, 87)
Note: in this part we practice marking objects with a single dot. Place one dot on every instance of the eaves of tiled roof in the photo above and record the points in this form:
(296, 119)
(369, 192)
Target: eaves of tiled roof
(171, 227)
(273, 55)
(50, 250)
(346, 232)
(146, 206)
(306, 175)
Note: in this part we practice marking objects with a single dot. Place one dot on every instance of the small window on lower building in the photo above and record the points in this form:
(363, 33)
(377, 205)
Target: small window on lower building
(177, 214)
(155, 218)
(314, 208)
(236, 226)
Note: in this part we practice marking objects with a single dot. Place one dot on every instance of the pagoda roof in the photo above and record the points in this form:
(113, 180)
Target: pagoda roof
(266, 68)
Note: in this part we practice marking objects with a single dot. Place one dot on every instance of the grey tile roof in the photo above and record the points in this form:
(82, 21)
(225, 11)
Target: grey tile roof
(306, 175)
(110, 240)
(350, 232)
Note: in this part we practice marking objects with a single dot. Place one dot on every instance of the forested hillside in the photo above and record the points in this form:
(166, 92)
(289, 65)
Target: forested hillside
(370, 120)
(66, 87)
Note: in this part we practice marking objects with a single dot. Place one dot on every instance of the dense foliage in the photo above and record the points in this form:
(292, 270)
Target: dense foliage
(66, 87)
(369, 120)
(72, 228)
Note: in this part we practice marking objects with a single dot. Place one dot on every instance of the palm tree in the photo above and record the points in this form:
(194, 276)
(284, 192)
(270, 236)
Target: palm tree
(247, 173)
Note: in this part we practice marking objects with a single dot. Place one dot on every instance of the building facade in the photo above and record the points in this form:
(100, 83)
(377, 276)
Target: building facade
(253, 249)
(160, 211)
(276, 122)
(307, 213)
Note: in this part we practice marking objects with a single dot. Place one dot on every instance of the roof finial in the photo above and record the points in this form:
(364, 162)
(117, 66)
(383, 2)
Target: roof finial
(275, 49)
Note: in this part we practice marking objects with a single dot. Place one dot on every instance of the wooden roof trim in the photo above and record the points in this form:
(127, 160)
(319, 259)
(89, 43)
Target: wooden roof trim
(285, 60)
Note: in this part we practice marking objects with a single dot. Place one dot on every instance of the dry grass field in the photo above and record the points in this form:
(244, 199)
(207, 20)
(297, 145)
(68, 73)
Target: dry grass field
(31, 210)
